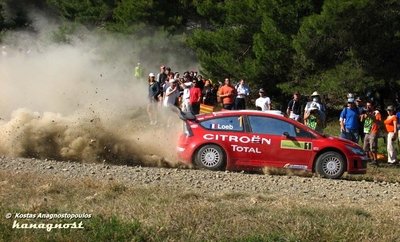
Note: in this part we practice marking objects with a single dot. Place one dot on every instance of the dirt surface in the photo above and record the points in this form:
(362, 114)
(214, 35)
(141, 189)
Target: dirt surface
(369, 195)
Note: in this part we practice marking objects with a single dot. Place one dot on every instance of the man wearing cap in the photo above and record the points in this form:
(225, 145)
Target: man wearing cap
(349, 121)
(294, 109)
(390, 125)
(263, 103)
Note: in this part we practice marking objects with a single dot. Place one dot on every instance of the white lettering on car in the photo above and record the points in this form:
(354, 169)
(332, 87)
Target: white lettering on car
(208, 136)
(222, 126)
(238, 148)
(237, 139)
(244, 139)
(233, 138)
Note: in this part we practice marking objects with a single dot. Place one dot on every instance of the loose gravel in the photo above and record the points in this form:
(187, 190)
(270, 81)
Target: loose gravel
(304, 189)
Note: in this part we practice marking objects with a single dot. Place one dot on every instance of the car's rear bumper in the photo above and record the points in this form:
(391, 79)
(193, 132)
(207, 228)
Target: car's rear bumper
(184, 155)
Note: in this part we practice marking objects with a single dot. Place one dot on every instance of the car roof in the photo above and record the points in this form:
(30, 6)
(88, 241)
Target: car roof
(270, 113)
(240, 112)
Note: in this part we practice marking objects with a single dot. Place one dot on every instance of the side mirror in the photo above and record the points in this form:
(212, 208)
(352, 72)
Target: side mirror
(286, 134)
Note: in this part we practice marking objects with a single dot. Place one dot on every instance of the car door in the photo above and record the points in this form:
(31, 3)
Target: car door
(228, 132)
(282, 144)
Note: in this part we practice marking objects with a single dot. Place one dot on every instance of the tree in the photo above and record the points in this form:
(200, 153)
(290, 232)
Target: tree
(349, 46)
(249, 39)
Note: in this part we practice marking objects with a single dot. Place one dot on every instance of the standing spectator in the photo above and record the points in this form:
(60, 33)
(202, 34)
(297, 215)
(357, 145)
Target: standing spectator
(208, 93)
(161, 79)
(195, 98)
(349, 121)
(227, 94)
(263, 103)
(138, 73)
(371, 119)
(294, 109)
(243, 91)
(312, 118)
(398, 122)
(153, 99)
(360, 107)
(171, 94)
(316, 98)
(391, 124)
(186, 96)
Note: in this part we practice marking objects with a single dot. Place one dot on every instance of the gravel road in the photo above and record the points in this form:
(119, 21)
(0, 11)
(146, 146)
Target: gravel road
(369, 194)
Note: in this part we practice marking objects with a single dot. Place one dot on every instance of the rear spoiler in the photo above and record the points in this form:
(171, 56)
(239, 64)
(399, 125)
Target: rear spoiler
(186, 115)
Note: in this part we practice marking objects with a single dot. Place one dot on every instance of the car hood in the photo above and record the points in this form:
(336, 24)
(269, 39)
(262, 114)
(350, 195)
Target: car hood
(342, 140)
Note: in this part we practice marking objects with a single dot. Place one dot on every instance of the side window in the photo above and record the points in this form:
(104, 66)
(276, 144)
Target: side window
(265, 125)
(233, 123)
(303, 133)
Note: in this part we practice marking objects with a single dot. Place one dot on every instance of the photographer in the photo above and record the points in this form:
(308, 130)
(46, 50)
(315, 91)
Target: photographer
(371, 119)
(312, 118)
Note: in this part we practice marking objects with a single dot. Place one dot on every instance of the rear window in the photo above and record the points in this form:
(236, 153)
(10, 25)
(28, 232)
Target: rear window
(232, 123)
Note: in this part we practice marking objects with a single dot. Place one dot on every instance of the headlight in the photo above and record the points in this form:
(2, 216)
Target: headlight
(355, 150)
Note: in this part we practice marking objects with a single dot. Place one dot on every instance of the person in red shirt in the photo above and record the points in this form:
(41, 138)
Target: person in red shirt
(227, 94)
(195, 98)
(391, 124)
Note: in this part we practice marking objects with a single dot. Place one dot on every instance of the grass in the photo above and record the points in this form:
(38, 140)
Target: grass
(121, 212)
(125, 213)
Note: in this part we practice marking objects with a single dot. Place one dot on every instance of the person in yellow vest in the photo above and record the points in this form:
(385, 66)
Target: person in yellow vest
(138, 72)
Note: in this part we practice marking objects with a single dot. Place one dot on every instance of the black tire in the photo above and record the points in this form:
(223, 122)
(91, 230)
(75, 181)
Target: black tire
(331, 165)
(210, 157)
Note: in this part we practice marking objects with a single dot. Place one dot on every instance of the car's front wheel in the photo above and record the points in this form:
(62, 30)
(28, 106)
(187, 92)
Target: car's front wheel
(210, 157)
(330, 164)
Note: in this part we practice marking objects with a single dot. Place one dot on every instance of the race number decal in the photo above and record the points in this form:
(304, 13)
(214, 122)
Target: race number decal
(296, 145)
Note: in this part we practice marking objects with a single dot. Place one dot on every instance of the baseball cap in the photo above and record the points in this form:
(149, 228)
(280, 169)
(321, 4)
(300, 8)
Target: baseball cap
(350, 100)
(151, 74)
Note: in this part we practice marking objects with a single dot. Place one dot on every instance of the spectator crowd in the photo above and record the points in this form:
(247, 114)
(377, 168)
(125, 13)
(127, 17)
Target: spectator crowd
(359, 121)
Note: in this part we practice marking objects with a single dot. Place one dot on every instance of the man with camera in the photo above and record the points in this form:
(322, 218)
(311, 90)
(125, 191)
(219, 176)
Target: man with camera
(372, 120)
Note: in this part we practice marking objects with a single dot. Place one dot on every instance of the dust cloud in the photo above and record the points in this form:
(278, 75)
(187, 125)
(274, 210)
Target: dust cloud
(79, 100)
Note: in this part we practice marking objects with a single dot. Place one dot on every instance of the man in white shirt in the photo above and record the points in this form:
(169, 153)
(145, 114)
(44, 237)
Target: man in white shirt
(171, 94)
(263, 103)
(242, 91)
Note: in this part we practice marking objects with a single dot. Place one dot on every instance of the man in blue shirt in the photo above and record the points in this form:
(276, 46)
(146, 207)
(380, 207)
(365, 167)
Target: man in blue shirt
(349, 121)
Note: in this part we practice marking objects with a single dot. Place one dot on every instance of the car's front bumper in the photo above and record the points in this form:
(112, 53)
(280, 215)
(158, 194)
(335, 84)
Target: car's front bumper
(357, 164)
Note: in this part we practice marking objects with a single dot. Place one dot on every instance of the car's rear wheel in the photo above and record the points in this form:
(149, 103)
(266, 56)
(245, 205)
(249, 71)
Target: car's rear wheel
(331, 165)
(210, 157)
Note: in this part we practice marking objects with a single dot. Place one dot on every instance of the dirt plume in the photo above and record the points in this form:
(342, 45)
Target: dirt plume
(78, 100)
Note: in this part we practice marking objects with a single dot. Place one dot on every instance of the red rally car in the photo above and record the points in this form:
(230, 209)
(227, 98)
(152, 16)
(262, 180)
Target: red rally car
(248, 139)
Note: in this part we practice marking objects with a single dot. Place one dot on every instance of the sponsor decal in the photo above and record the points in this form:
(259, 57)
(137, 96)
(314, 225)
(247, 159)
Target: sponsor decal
(296, 145)
(237, 148)
(237, 139)
(222, 126)
(297, 167)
